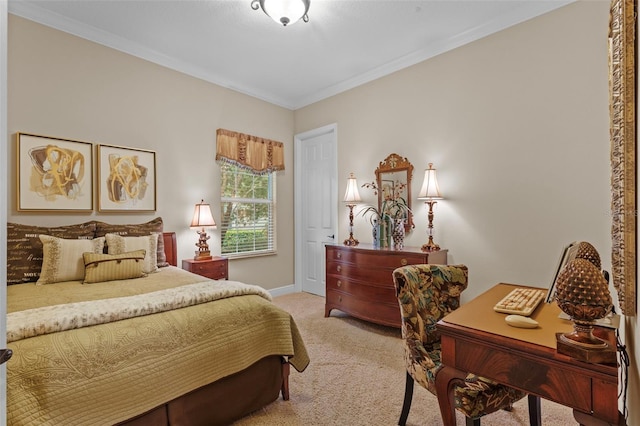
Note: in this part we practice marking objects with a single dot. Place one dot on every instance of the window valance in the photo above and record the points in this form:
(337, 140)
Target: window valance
(256, 154)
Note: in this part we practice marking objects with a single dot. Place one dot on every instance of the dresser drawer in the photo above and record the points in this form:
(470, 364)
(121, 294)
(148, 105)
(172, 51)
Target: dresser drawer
(376, 293)
(380, 313)
(391, 260)
(372, 274)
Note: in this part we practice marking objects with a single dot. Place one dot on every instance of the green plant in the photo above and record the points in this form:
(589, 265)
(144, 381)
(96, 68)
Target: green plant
(393, 205)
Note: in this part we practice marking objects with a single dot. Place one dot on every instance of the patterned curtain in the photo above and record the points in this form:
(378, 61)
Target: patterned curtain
(251, 152)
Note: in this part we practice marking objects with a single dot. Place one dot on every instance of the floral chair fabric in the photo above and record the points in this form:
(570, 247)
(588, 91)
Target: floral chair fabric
(426, 293)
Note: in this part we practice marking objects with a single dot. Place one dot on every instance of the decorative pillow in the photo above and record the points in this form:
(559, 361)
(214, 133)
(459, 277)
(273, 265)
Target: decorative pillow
(24, 248)
(99, 267)
(118, 245)
(153, 226)
(63, 259)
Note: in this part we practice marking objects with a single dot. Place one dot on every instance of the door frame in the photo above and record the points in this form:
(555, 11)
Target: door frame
(4, 153)
(298, 139)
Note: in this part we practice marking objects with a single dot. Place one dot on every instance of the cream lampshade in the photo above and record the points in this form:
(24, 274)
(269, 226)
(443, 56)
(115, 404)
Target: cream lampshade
(351, 198)
(202, 218)
(430, 192)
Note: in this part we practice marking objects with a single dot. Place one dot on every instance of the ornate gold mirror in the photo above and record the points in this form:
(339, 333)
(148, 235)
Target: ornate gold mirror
(622, 107)
(393, 178)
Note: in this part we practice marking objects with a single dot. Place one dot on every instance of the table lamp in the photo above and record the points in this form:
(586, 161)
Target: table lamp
(430, 193)
(202, 218)
(351, 198)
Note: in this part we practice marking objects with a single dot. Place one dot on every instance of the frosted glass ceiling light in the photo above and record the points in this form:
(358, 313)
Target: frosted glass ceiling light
(284, 12)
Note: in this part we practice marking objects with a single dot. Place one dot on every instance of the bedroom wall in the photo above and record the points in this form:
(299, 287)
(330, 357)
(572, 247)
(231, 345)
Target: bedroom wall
(64, 86)
(516, 125)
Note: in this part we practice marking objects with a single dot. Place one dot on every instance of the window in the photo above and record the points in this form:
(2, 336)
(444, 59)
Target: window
(248, 206)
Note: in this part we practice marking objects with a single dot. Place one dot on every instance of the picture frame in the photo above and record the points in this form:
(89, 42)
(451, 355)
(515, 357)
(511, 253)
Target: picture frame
(623, 127)
(54, 174)
(126, 179)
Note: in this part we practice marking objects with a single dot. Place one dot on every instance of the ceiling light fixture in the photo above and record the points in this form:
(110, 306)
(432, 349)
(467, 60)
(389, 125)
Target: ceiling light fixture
(284, 12)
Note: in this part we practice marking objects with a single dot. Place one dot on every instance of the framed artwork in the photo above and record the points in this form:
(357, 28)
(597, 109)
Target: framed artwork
(126, 179)
(623, 126)
(54, 174)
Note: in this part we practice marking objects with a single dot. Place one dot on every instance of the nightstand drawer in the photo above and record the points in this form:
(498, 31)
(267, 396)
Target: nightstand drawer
(216, 268)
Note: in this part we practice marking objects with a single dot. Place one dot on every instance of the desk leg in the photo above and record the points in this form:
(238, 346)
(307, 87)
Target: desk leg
(588, 419)
(446, 381)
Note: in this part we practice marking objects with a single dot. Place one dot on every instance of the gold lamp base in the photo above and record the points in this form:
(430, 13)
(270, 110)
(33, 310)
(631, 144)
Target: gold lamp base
(203, 255)
(203, 252)
(351, 241)
(430, 245)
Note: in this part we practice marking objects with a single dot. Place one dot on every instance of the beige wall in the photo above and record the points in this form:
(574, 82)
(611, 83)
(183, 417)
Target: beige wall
(516, 125)
(64, 86)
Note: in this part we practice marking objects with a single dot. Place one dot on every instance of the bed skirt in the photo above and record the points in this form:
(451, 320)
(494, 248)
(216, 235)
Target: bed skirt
(224, 401)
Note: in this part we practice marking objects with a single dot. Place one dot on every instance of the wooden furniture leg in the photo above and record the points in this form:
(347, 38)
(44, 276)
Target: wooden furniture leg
(408, 396)
(588, 419)
(446, 381)
(535, 410)
(286, 368)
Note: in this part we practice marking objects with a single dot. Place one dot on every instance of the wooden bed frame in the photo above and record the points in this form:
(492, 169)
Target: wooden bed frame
(225, 400)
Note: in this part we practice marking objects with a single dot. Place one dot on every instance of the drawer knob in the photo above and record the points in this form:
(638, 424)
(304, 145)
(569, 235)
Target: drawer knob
(339, 255)
(339, 268)
(403, 262)
(339, 283)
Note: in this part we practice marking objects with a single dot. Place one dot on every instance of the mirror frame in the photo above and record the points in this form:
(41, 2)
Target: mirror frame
(396, 164)
(622, 109)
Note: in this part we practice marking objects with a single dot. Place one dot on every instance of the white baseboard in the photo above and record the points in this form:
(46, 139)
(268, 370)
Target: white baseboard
(281, 291)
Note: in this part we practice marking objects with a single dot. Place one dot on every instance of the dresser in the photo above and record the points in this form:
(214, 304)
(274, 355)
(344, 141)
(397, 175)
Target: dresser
(359, 280)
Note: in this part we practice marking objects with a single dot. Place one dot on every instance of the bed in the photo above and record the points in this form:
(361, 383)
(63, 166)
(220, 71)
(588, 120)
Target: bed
(169, 347)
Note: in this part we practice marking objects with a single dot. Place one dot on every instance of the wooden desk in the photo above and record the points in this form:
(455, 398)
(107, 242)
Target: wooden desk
(476, 339)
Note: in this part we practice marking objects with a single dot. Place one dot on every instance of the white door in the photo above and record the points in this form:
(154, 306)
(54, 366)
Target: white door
(316, 205)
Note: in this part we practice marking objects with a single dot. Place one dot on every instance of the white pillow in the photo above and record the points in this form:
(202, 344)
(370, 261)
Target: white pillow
(117, 244)
(62, 259)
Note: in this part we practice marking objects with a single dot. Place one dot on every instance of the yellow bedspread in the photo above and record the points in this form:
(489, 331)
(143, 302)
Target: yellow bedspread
(106, 373)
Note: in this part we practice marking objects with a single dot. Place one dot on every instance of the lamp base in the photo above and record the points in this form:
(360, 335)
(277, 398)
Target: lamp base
(351, 241)
(203, 255)
(603, 353)
(430, 246)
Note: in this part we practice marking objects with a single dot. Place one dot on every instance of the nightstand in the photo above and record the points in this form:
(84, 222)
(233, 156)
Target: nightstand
(216, 268)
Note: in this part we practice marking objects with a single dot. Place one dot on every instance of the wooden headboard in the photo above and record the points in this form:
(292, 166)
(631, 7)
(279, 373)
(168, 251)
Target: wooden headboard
(170, 249)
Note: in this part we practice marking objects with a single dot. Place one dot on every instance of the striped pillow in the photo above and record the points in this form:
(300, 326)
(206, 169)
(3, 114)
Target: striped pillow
(100, 267)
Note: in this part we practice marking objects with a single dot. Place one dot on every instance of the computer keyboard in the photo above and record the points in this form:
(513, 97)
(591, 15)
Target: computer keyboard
(520, 301)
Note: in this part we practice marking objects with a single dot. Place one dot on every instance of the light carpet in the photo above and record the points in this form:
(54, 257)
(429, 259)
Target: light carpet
(357, 375)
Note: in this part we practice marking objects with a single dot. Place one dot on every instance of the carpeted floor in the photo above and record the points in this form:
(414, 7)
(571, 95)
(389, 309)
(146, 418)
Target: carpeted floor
(356, 377)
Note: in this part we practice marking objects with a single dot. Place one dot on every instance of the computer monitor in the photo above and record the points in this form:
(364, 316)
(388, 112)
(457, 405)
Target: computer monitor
(567, 255)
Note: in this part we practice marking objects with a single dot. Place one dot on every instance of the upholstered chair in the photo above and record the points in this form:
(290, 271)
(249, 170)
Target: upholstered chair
(426, 293)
